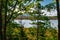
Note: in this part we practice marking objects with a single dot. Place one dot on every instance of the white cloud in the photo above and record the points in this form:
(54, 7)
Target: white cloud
(52, 13)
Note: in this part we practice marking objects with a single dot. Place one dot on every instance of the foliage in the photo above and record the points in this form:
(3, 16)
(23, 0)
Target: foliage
(31, 33)
(18, 8)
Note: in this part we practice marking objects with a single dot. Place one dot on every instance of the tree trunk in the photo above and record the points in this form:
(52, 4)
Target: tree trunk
(5, 20)
(1, 5)
(58, 13)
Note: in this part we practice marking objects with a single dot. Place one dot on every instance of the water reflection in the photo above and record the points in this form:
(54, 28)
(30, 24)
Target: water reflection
(26, 23)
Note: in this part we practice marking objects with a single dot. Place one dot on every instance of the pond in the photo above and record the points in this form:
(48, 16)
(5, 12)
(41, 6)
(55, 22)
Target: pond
(26, 23)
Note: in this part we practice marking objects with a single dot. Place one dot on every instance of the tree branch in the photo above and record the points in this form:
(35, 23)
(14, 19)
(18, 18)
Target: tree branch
(12, 12)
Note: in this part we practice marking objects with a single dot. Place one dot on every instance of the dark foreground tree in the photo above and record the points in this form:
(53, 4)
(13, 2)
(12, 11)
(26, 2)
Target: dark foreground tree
(1, 5)
(58, 13)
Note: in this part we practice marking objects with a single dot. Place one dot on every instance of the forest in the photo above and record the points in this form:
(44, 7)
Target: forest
(28, 10)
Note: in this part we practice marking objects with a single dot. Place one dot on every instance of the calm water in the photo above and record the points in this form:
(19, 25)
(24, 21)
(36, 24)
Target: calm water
(26, 23)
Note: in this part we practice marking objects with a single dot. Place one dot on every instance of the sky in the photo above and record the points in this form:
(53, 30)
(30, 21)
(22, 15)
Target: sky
(52, 13)
(46, 2)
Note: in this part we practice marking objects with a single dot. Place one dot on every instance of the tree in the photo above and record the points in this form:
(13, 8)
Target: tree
(57, 3)
(1, 6)
(41, 17)
(10, 13)
(20, 7)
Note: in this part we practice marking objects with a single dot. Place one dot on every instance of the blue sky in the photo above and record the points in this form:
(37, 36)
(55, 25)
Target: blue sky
(46, 2)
